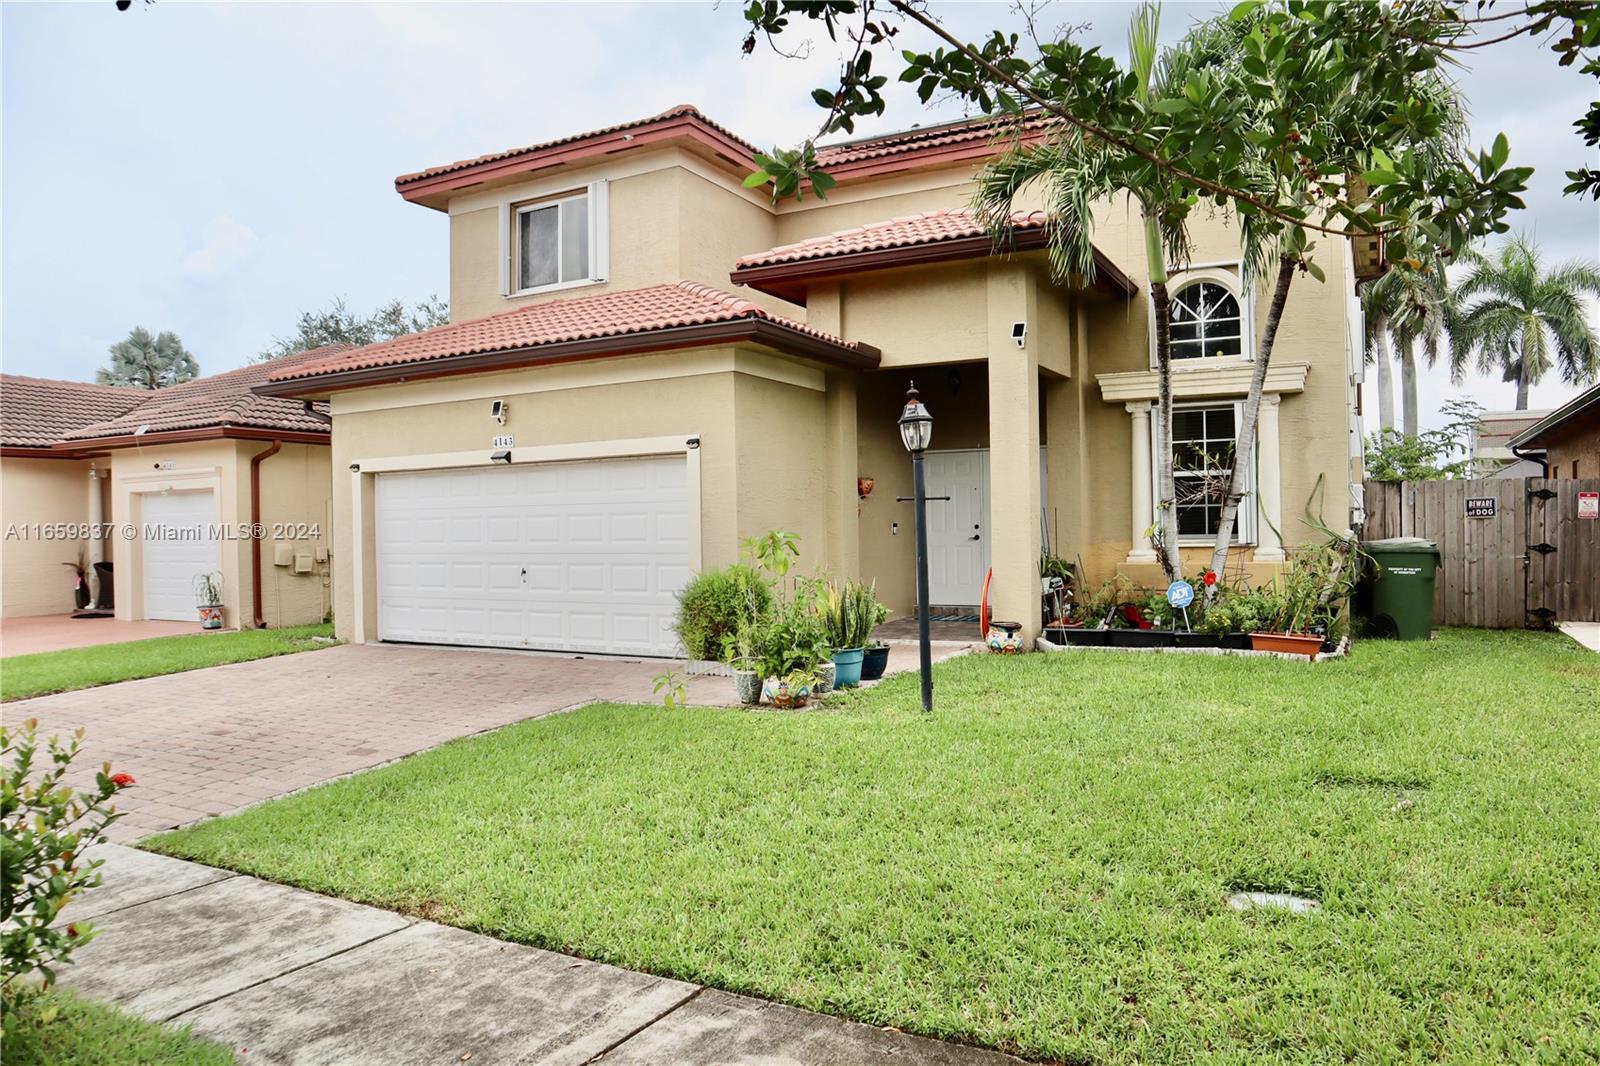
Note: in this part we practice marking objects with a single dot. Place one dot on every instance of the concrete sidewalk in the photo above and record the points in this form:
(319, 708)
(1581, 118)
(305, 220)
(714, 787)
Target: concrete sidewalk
(287, 976)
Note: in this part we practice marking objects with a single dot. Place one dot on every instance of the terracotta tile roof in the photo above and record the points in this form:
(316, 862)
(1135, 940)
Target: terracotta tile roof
(220, 400)
(907, 231)
(949, 142)
(632, 312)
(680, 111)
(38, 412)
(972, 131)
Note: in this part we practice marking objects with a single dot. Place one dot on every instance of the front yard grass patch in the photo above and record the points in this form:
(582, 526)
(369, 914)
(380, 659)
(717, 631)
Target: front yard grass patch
(1043, 864)
(22, 676)
(86, 1033)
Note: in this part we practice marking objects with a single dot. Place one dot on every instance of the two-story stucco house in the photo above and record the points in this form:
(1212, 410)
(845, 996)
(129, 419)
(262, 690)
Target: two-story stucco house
(648, 362)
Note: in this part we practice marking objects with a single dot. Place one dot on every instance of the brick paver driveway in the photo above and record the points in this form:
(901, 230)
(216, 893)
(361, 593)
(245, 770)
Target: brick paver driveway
(211, 741)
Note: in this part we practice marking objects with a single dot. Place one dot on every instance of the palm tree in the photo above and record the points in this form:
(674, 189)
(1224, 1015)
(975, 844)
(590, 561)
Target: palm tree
(1522, 315)
(1073, 172)
(1412, 306)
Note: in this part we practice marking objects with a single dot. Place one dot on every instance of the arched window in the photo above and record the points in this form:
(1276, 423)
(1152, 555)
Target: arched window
(1206, 321)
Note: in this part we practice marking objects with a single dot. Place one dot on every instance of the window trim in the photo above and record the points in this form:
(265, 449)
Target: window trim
(1230, 275)
(1245, 531)
(510, 213)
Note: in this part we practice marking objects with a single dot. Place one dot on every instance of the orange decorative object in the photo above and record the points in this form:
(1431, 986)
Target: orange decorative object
(864, 486)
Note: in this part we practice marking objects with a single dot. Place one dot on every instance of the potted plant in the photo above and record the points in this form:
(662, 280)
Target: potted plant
(208, 598)
(80, 583)
(849, 615)
(874, 660)
(1289, 610)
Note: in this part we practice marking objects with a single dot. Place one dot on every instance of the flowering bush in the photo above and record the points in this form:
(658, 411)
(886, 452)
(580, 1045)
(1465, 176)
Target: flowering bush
(46, 826)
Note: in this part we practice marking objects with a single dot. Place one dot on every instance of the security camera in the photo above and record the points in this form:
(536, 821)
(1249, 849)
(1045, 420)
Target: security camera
(1019, 333)
(355, 468)
(497, 411)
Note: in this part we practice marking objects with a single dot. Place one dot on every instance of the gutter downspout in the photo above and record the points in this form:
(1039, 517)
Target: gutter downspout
(1544, 464)
(255, 530)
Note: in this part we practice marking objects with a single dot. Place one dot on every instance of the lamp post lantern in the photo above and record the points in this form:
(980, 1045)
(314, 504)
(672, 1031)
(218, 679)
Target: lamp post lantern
(916, 432)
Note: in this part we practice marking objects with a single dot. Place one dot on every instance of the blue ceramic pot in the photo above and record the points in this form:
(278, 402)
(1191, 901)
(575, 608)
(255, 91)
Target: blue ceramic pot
(847, 667)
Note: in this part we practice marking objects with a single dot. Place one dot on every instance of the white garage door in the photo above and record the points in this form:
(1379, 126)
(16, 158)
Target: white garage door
(560, 556)
(179, 534)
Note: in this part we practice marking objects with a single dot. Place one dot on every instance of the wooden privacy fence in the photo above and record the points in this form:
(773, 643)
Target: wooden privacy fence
(1514, 552)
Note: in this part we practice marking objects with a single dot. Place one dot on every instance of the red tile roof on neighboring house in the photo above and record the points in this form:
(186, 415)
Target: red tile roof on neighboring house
(966, 140)
(660, 317)
(39, 412)
(930, 227)
(221, 401)
(932, 236)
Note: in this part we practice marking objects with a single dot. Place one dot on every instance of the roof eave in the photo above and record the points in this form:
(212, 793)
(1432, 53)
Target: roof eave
(434, 190)
(789, 280)
(1574, 407)
(754, 330)
(69, 448)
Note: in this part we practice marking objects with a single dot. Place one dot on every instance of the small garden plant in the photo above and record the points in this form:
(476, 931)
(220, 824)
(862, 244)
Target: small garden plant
(47, 827)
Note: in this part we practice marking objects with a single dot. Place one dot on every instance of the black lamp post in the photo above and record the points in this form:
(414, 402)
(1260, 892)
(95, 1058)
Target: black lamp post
(916, 431)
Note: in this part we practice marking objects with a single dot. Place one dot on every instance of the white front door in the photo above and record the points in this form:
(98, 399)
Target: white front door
(180, 543)
(958, 529)
(583, 556)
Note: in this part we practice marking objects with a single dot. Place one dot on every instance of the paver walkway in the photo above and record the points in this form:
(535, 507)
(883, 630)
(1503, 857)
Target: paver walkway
(287, 976)
(57, 632)
(212, 741)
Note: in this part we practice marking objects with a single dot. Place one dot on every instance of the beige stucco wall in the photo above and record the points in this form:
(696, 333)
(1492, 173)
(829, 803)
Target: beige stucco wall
(759, 418)
(35, 492)
(296, 492)
(670, 219)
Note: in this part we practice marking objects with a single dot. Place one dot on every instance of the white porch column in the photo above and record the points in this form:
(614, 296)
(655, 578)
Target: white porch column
(96, 546)
(1141, 493)
(1269, 490)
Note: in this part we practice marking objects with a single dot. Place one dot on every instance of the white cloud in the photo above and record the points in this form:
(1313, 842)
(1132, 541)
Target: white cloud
(225, 242)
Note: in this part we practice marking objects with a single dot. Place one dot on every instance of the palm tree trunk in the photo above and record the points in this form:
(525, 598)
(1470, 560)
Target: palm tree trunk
(1385, 372)
(1408, 388)
(1166, 540)
(1244, 450)
(1522, 387)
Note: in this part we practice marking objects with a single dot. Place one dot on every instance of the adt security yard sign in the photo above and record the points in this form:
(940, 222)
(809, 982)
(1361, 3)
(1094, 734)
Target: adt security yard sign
(1589, 505)
(1480, 506)
(1180, 594)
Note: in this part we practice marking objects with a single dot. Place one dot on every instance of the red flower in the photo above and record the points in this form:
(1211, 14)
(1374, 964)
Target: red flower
(122, 780)
(72, 930)
(1211, 577)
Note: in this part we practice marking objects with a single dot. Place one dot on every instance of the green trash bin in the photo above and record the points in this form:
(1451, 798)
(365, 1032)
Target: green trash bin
(1400, 587)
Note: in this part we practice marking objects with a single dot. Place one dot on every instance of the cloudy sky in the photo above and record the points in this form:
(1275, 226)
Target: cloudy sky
(214, 170)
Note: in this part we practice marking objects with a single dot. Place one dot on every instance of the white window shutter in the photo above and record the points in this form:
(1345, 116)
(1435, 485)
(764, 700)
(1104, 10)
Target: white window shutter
(599, 230)
(505, 249)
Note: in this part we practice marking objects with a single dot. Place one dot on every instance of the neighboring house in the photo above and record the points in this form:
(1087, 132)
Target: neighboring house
(648, 362)
(175, 480)
(1569, 437)
(1490, 450)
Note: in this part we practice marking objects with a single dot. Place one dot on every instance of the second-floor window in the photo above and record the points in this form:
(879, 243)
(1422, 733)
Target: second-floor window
(1205, 321)
(552, 243)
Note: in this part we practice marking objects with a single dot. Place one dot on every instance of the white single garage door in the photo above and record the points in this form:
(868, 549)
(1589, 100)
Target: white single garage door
(179, 531)
(585, 556)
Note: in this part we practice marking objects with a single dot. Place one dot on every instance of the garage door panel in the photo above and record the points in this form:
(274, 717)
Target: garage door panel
(569, 556)
(179, 544)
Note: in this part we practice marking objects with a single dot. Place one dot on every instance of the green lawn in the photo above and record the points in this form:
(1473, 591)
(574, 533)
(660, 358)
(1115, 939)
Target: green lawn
(85, 1033)
(22, 676)
(1043, 864)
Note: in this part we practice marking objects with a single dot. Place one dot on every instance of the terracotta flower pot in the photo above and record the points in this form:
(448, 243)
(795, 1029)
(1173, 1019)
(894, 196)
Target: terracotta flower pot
(1307, 644)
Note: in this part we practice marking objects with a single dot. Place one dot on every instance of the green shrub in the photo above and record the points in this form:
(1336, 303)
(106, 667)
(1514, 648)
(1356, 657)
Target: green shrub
(710, 608)
(46, 828)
